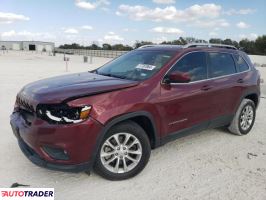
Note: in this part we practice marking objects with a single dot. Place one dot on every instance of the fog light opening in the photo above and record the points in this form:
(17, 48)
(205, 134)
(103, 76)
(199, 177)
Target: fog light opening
(56, 153)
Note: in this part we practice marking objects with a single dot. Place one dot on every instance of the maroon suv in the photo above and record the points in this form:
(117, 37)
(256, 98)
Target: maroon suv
(110, 118)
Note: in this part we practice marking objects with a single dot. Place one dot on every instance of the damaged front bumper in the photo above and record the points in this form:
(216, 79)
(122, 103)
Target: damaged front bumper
(55, 146)
(37, 160)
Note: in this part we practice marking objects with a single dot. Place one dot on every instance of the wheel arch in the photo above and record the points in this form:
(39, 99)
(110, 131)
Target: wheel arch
(142, 118)
(253, 97)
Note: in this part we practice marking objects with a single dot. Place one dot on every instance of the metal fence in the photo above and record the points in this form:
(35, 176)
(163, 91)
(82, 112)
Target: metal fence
(94, 53)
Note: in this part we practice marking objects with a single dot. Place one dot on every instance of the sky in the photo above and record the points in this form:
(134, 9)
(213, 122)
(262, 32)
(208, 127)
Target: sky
(125, 21)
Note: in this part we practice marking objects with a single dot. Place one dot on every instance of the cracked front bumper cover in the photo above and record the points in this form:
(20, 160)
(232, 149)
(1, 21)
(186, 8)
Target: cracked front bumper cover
(37, 160)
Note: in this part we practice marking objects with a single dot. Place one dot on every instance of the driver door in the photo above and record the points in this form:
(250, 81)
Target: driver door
(186, 105)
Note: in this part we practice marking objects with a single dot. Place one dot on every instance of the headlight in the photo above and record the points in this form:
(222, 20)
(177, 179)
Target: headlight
(63, 114)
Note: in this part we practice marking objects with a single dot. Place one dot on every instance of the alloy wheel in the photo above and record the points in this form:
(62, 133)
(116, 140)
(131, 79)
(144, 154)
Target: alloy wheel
(246, 117)
(121, 152)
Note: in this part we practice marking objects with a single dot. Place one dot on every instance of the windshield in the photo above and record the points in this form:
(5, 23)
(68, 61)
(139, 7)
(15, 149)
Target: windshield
(136, 65)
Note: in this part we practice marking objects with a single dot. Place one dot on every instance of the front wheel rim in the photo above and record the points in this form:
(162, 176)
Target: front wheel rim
(246, 117)
(121, 153)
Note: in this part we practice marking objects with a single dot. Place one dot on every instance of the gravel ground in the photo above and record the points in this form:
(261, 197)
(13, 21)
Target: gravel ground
(212, 164)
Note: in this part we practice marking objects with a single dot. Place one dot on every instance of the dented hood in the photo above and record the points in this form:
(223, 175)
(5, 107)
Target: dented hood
(61, 88)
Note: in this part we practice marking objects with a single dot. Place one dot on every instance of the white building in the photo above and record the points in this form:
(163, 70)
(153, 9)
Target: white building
(27, 45)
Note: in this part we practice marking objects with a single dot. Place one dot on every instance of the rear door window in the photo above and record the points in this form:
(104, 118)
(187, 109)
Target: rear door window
(194, 64)
(241, 63)
(221, 64)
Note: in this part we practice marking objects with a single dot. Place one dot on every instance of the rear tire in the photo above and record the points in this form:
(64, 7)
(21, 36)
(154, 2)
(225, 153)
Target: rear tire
(124, 152)
(244, 118)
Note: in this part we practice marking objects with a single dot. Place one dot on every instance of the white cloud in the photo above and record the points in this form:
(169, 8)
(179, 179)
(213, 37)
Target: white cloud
(170, 13)
(105, 9)
(91, 5)
(129, 30)
(103, 2)
(160, 40)
(167, 30)
(8, 18)
(8, 34)
(71, 31)
(118, 13)
(251, 36)
(240, 12)
(27, 35)
(242, 25)
(85, 5)
(111, 36)
(216, 23)
(164, 1)
(86, 27)
(213, 34)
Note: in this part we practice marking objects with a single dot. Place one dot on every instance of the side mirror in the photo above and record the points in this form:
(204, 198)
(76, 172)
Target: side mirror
(177, 77)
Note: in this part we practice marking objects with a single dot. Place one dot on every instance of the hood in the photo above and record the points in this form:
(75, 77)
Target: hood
(61, 88)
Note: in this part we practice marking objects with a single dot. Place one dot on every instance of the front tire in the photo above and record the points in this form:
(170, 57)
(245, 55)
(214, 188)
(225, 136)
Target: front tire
(244, 118)
(124, 152)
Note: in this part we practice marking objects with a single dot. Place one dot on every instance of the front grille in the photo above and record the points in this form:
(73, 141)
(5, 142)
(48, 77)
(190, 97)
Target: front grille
(23, 104)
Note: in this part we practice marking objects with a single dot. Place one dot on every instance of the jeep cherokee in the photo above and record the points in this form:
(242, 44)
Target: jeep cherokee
(109, 119)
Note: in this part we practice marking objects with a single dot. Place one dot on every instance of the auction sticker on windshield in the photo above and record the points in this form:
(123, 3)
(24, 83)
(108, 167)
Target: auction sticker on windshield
(145, 66)
(26, 193)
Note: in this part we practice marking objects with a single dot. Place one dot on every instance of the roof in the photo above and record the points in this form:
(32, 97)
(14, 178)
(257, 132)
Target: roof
(160, 47)
(188, 46)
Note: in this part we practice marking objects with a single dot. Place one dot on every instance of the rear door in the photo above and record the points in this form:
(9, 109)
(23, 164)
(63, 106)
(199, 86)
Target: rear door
(224, 79)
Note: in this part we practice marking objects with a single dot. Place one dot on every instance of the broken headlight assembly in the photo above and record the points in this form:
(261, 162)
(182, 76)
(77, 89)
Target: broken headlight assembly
(63, 114)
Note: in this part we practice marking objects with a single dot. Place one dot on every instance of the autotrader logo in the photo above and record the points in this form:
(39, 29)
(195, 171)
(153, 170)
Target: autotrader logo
(27, 193)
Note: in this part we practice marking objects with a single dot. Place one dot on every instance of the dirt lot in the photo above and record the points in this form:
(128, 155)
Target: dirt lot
(212, 164)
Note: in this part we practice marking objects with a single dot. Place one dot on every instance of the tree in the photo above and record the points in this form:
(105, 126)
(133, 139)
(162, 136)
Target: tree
(176, 42)
(107, 46)
(95, 47)
(235, 43)
(182, 41)
(70, 46)
(127, 48)
(260, 44)
(227, 42)
(247, 46)
(118, 47)
(141, 43)
(215, 41)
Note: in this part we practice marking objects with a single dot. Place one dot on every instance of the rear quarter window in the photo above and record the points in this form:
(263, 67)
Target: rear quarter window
(241, 63)
(221, 64)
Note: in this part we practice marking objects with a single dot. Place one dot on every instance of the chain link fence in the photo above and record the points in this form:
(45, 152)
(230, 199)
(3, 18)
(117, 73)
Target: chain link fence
(93, 53)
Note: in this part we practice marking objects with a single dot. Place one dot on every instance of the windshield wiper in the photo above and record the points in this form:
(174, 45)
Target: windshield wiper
(114, 75)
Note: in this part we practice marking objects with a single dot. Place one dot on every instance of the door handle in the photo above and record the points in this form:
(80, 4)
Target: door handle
(206, 87)
(240, 80)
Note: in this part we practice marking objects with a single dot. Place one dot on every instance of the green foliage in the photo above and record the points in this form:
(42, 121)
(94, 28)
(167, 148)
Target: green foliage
(141, 43)
(260, 44)
(248, 46)
(251, 47)
(107, 47)
(118, 47)
(121, 47)
(215, 41)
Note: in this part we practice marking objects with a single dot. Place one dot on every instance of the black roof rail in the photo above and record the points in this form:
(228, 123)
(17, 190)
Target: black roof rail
(190, 45)
(160, 45)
